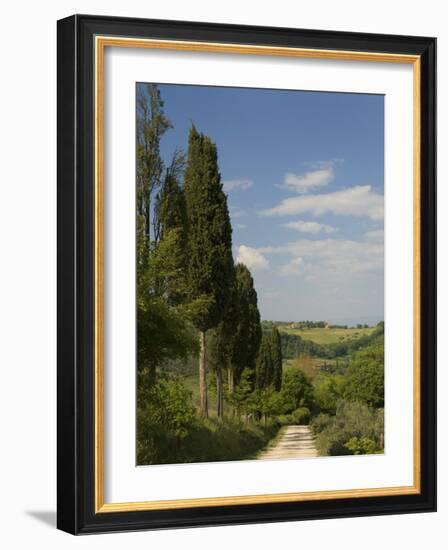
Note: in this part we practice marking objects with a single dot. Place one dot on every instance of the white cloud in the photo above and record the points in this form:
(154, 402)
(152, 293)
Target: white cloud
(294, 267)
(251, 257)
(375, 235)
(333, 255)
(303, 183)
(240, 226)
(359, 201)
(243, 184)
(311, 227)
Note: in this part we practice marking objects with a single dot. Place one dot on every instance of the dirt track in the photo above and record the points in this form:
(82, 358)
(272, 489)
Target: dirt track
(295, 442)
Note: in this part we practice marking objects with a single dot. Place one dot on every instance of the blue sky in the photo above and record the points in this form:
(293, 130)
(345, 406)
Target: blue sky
(304, 174)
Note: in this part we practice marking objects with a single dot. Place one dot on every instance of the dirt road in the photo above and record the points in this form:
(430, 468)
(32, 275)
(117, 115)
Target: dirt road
(294, 442)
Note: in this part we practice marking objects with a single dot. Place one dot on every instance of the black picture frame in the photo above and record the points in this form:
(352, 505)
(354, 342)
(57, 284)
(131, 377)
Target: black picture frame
(76, 396)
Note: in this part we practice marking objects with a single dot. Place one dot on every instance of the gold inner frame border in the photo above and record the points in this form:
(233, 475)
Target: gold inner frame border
(101, 42)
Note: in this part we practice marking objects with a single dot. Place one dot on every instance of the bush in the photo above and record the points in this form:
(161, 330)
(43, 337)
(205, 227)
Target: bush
(301, 416)
(320, 422)
(365, 376)
(296, 392)
(169, 432)
(361, 446)
(165, 416)
(229, 439)
(285, 419)
(354, 429)
(328, 391)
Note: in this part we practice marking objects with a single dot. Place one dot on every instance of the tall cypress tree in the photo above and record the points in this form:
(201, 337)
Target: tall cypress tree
(277, 358)
(220, 347)
(210, 261)
(264, 364)
(218, 358)
(247, 335)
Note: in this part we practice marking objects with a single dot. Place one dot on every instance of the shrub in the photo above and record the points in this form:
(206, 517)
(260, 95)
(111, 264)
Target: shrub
(301, 416)
(297, 391)
(365, 376)
(350, 430)
(169, 432)
(361, 446)
(165, 415)
(328, 391)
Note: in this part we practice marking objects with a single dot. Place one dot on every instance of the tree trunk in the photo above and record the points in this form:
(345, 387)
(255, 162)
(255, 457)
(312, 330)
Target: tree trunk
(230, 379)
(219, 393)
(202, 375)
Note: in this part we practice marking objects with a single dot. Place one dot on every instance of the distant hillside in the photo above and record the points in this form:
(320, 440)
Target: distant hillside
(327, 342)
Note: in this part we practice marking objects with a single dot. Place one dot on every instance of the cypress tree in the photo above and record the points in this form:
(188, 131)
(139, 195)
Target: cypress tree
(264, 364)
(247, 333)
(220, 347)
(218, 357)
(277, 358)
(210, 261)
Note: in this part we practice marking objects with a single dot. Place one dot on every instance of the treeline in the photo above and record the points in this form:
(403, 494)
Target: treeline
(192, 300)
(293, 345)
(296, 324)
(304, 325)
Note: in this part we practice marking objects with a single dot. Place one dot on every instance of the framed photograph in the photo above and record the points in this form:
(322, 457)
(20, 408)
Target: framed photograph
(246, 274)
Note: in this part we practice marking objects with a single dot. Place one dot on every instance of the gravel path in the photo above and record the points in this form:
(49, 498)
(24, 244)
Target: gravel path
(295, 442)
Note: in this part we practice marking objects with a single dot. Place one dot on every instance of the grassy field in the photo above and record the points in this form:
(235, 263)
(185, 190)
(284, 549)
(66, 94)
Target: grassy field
(328, 335)
(305, 361)
(309, 365)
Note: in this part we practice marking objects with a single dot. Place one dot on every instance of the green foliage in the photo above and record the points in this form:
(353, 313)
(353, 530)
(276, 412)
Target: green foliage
(264, 364)
(210, 268)
(164, 276)
(170, 208)
(218, 347)
(239, 397)
(187, 282)
(365, 376)
(169, 261)
(361, 446)
(277, 358)
(165, 416)
(334, 434)
(151, 126)
(205, 440)
(247, 331)
(328, 390)
(294, 344)
(163, 332)
(210, 261)
(162, 335)
(297, 391)
(301, 416)
(272, 402)
(220, 343)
